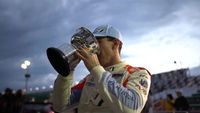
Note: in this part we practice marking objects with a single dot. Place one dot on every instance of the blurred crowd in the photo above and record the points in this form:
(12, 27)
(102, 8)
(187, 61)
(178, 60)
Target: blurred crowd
(168, 104)
(171, 104)
(11, 102)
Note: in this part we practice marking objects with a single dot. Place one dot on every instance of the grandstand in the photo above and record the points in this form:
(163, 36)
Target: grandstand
(177, 80)
(170, 80)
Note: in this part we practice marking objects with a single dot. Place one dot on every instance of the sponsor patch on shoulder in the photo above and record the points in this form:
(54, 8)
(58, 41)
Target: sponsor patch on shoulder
(143, 82)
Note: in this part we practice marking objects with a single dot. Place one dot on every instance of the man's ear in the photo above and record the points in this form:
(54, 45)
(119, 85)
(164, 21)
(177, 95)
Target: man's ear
(116, 44)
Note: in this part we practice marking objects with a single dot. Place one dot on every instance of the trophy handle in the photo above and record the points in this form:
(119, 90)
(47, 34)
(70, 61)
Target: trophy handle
(58, 61)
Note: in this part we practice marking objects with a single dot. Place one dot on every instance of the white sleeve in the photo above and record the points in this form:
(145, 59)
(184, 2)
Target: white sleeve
(61, 92)
(129, 99)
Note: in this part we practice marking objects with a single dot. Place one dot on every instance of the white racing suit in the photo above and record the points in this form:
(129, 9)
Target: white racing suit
(120, 88)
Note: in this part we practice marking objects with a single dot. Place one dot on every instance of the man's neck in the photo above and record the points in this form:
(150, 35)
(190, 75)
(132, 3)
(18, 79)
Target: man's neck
(112, 62)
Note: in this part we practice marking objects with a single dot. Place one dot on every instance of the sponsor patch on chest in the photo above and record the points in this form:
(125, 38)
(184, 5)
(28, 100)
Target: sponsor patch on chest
(90, 84)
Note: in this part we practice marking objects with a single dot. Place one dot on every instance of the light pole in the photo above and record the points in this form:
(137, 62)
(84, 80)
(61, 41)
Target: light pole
(25, 66)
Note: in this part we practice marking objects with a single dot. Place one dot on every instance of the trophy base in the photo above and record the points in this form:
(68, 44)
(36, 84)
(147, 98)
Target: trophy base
(58, 61)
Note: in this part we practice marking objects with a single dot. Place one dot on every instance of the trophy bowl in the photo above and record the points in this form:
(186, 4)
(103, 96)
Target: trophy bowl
(57, 60)
(63, 59)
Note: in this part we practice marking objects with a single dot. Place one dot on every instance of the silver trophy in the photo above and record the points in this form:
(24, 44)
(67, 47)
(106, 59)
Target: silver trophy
(63, 59)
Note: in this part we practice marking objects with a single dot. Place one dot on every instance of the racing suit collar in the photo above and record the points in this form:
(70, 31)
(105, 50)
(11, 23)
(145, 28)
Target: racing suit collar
(112, 68)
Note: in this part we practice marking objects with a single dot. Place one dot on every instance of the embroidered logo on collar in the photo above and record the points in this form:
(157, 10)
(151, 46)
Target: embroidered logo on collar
(111, 68)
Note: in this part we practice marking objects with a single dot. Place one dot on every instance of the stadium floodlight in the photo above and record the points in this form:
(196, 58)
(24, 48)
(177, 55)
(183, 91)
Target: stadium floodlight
(26, 62)
(23, 66)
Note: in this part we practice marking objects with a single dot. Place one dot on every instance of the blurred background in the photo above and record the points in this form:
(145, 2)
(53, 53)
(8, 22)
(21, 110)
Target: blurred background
(160, 35)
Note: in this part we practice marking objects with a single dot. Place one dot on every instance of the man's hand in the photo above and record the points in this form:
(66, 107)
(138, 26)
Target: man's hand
(90, 59)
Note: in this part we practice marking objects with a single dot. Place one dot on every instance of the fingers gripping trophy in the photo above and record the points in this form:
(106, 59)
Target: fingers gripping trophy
(64, 59)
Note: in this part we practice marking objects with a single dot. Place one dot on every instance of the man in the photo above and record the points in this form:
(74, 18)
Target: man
(112, 86)
(181, 103)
